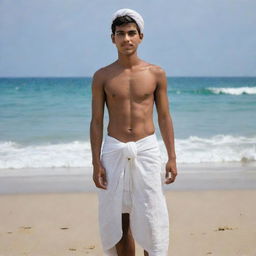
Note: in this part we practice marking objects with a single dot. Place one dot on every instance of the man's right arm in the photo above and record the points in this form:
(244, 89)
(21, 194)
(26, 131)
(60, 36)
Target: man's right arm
(96, 128)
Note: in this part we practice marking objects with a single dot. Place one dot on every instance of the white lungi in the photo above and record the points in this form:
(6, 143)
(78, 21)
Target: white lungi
(134, 185)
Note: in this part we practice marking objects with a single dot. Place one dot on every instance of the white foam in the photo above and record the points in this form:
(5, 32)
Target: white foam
(219, 148)
(233, 90)
(74, 154)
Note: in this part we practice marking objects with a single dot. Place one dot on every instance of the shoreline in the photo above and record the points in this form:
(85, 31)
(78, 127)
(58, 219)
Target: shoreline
(69, 180)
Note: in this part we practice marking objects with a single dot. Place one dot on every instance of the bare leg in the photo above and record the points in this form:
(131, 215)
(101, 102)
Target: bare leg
(145, 253)
(126, 246)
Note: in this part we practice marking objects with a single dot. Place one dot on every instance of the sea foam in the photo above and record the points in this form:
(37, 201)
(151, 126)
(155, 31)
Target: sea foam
(233, 90)
(219, 148)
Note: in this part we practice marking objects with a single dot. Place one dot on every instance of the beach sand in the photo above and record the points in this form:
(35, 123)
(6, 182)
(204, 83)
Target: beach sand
(205, 222)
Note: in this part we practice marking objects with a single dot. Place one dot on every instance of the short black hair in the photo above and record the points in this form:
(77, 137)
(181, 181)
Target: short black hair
(122, 20)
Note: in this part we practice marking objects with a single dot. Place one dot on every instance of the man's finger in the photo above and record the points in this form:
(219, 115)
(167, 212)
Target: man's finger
(99, 181)
(103, 180)
(172, 178)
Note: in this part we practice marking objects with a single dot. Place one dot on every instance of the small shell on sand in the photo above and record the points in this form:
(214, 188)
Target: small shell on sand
(223, 228)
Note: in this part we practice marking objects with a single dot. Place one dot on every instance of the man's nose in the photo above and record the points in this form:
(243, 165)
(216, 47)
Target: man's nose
(126, 37)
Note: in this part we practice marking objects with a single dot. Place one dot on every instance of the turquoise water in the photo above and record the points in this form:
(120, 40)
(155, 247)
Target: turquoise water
(45, 121)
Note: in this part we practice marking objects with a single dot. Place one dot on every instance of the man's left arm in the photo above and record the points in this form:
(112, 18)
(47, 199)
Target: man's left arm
(165, 123)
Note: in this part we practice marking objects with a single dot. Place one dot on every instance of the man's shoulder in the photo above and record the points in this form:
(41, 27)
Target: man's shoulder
(103, 71)
(156, 70)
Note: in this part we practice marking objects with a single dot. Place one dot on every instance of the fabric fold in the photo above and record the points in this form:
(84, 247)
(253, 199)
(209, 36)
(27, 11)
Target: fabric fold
(134, 175)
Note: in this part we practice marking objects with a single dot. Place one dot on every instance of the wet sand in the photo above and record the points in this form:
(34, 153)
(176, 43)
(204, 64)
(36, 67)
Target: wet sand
(191, 177)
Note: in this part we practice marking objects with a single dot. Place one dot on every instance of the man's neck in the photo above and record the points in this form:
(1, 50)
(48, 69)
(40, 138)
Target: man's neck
(128, 61)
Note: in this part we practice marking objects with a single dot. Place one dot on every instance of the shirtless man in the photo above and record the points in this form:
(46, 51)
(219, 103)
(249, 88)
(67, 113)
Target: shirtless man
(129, 87)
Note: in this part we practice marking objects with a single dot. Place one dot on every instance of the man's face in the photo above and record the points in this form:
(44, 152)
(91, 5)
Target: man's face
(127, 38)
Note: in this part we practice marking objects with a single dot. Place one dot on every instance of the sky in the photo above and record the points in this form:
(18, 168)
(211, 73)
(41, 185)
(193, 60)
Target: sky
(70, 38)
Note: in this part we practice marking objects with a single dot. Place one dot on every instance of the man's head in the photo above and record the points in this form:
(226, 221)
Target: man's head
(127, 26)
(123, 20)
(126, 16)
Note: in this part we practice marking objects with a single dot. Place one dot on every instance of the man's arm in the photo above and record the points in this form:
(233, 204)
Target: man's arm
(165, 123)
(96, 129)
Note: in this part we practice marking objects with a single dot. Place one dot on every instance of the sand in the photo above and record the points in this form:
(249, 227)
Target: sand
(206, 222)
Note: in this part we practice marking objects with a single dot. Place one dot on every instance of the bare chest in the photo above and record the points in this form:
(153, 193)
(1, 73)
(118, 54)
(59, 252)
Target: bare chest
(134, 87)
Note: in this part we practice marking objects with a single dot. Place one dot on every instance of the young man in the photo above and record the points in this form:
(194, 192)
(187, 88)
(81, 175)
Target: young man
(127, 171)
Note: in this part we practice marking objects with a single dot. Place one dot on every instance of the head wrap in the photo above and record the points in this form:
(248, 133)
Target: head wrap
(131, 13)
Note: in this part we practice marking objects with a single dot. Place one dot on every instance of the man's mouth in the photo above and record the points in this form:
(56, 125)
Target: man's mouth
(127, 46)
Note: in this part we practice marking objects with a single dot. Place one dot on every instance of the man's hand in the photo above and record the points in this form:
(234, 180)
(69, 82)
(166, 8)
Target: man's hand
(99, 176)
(170, 167)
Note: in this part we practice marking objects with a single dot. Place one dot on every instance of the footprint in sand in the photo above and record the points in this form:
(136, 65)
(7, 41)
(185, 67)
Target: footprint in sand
(64, 228)
(91, 247)
(26, 229)
(72, 249)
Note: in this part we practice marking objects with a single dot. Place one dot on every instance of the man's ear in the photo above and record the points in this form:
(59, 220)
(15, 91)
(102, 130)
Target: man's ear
(113, 38)
(141, 36)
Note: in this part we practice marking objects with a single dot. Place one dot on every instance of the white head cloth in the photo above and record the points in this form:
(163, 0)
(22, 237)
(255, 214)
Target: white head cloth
(131, 13)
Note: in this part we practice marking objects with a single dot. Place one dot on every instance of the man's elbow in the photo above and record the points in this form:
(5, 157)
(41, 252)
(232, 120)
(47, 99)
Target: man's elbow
(164, 117)
(95, 122)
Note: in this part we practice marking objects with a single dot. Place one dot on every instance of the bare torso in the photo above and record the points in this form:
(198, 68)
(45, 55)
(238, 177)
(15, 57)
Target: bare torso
(130, 100)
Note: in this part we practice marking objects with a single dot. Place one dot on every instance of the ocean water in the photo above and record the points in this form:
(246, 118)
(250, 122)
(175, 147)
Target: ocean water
(44, 122)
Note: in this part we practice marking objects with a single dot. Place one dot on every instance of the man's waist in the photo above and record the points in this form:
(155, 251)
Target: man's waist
(112, 144)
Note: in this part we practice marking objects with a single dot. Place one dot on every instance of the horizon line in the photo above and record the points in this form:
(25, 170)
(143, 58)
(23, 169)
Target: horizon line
(184, 76)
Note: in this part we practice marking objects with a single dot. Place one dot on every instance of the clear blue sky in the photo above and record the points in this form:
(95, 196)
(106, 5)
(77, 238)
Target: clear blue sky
(72, 37)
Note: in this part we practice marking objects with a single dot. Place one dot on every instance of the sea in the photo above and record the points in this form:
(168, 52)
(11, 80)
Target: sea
(44, 122)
